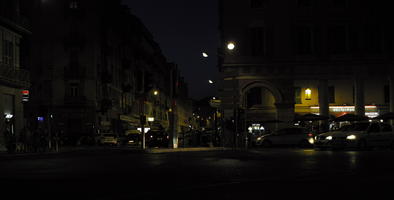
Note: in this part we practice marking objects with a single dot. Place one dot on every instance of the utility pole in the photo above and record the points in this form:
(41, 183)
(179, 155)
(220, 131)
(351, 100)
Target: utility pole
(235, 107)
(173, 143)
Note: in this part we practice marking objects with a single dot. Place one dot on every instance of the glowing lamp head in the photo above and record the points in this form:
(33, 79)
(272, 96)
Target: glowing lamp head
(151, 119)
(205, 55)
(230, 46)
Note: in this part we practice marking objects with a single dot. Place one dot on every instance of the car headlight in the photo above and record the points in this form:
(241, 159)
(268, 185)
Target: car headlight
(351, 137)
(259, 138)
(311, 141)
(329, 138)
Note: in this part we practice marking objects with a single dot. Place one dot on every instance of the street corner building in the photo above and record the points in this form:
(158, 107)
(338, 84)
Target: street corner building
(94, 69)
(287, 57)
(15, 31)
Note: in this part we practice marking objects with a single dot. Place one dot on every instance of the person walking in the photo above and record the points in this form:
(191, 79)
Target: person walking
(9, 141)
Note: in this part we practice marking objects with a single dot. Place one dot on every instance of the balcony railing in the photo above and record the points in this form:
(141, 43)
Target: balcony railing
(19, 23)
(10, 75)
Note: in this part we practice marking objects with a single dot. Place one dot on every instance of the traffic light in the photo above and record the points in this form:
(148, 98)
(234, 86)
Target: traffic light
(25, 96)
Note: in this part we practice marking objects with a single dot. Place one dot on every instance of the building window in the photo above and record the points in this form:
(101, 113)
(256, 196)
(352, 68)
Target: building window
(304, 3)
(257, 3)
(74, 90)
(297, 95)
(331, 94)
(339, 3)
(258, 41)
(308, 94)
(374, 43)
(73, 4)
(8, 52)
(354, 40)
(337, 39)
(304, 40)
(386, 94)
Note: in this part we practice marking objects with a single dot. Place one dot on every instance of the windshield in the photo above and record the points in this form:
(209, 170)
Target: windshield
(360, 127)
(346, 128)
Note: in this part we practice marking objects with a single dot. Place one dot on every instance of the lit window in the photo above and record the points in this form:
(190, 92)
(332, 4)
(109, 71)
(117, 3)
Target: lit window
(297, 95)
(308, 94)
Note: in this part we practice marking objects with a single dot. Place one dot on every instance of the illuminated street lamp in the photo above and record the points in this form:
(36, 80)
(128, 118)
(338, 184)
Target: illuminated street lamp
(156, 92)
(151, 119)
(210, 82)
(205, 55)
(231, 46)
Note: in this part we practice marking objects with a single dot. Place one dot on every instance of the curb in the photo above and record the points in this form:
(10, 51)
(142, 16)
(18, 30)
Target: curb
(150, 151)
(196, 149)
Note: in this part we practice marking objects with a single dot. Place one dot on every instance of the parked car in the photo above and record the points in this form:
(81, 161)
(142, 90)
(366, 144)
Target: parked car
(108, 139)
(323, 141)
(157, 139)
(294, 136)
(358, 135)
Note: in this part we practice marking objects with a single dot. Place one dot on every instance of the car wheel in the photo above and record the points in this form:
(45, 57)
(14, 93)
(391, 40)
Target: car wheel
(362, 145)
(303, 144)
(392, 145)
(266, 144)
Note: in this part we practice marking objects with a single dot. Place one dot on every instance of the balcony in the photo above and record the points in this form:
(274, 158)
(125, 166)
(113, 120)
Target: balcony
(14, 77)
(75, 73)
(17, 23)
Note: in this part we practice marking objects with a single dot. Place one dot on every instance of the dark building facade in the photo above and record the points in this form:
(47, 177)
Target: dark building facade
(14, 77)
(302, 56)
(97, 69)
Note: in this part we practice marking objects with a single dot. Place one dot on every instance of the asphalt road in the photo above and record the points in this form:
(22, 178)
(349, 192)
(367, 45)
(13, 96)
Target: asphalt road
(121, 174)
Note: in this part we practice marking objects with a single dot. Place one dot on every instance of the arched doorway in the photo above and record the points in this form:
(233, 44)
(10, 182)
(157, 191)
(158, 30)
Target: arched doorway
(260, 110)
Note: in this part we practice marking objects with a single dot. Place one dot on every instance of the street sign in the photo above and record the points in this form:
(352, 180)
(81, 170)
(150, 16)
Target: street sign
(215, 103)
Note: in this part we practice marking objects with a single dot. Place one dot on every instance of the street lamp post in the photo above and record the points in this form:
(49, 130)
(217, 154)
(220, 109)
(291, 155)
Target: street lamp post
(231, 47)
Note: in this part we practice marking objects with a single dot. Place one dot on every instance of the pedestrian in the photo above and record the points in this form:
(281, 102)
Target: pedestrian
(9, 141)
(22, 140)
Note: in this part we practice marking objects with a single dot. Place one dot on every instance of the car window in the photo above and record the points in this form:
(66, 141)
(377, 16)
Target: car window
(374, 128)
(386, 128)
(346, 128)
(296, 131)
(360, 127)
(281, 132)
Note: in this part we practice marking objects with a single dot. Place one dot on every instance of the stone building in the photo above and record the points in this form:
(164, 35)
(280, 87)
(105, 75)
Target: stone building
(292, 57)
(96, 70)
(14, 55)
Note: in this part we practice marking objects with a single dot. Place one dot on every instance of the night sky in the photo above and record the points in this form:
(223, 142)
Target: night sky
(184, 29)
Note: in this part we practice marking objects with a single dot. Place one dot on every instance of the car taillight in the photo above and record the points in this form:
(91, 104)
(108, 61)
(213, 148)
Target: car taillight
(310, 135)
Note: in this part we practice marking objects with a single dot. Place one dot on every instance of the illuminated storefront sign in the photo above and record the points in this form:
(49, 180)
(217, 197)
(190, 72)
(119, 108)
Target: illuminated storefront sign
(370, 111)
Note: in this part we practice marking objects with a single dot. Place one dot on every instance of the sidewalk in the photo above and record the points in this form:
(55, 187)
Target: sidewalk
(189, 149)
(101, 148)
